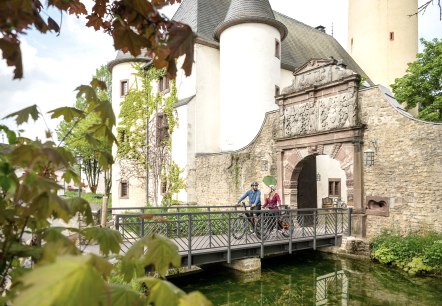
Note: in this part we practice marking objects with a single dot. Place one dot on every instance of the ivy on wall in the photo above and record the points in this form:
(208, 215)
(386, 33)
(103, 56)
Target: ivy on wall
(140, 150)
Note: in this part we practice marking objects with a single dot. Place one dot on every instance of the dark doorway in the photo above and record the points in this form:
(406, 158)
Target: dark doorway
(307, 197)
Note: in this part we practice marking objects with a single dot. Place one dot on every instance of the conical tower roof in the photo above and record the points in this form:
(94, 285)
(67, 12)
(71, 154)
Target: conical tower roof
(250, 11)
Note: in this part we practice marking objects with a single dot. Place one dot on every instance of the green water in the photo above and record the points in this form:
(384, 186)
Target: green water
(314, 279)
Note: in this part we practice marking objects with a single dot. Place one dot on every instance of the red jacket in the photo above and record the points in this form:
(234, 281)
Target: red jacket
(273, 202)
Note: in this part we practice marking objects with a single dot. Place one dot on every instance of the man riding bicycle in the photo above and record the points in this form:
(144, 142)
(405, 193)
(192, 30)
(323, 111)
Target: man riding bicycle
(254, 196)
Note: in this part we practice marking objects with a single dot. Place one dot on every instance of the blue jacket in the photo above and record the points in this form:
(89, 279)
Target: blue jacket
(254, 197)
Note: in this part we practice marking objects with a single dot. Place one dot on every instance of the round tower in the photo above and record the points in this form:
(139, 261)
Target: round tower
(250, 62)
(383, 37)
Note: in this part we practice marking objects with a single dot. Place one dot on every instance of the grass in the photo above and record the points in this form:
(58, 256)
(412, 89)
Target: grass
(95, 199)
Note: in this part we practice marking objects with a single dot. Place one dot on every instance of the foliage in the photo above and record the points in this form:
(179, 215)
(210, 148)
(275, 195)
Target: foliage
(133, 25)
(414, 253)
(39, 263)
(421, 86)
(76, 135)
(141, 150)
(171, 175)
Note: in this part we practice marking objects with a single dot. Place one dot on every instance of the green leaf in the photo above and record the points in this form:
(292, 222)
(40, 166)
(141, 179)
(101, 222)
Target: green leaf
(161, 253)
(194, 298)
(70, 281)
(88, 92)
(23, 114)
(108, 239)
(81, 206)
(68, 113)
(123, 296)
(12, 138)
(269, 180)
(162, 292)
(104, 108)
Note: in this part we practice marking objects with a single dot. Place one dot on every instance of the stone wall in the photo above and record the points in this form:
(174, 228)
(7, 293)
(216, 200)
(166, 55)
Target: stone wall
(407, 167)
(220, 179)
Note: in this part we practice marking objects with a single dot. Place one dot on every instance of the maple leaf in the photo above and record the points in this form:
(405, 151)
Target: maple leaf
(23, 114)
(126, 39)
(181, 42)
(94, 21)
(12, 54)
(68, 113)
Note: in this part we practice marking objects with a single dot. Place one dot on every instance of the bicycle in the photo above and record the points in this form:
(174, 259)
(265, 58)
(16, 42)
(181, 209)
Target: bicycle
(270, 220)
(244, 224)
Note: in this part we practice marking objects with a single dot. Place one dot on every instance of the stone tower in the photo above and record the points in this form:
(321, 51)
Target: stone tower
(250, 59)
(383, 37)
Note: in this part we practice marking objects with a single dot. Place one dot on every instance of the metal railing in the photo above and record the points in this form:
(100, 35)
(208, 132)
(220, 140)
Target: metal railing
(214, 228)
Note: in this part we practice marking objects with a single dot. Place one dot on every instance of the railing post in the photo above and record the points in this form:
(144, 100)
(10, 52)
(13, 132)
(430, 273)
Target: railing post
(291, 228)
(336, 227)
(315, 215)
(228, 237)
(349, 221)
(261, 219)
(117, 223)
(142, 226)
(210, 230)
(189, 238)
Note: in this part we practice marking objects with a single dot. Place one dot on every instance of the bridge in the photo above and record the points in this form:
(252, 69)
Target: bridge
(213, 234)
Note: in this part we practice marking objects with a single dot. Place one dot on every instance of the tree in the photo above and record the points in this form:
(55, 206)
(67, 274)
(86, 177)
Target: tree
(422, 8)
(422, 84)
(133, 25)
(29, 202)
(148, 120)
(75, 135)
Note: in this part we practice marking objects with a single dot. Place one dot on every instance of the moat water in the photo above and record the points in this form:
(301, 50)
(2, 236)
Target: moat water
(313, 278)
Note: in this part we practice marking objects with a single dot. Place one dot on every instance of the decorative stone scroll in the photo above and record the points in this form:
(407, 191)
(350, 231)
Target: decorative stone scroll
(324, 108)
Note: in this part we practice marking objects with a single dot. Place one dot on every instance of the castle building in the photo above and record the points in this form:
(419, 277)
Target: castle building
(269, 95)
(383, 37)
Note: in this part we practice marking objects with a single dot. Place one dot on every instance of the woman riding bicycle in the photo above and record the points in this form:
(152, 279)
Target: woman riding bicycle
(272, 200)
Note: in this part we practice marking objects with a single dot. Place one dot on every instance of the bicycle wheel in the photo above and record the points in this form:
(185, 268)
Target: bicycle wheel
(263, 226)
(239, 227)
(284, 226)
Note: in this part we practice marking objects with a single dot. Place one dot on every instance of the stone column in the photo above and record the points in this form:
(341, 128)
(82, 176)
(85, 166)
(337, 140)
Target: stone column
(280, 172)
(358, 216)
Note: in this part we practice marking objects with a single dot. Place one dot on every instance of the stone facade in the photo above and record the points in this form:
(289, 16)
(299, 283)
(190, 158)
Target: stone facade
(407, 166)
(400, 191)
(220, 179)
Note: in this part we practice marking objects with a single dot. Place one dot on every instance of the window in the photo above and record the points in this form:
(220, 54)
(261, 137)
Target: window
(124, 87)
(124, 190)
(277, 49)
(277, 90)
(391, 35)
(162, 129)
(334, 187)
(163, 187)
(163, 84)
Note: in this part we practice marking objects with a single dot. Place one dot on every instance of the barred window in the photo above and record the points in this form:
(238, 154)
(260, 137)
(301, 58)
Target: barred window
(124, 190)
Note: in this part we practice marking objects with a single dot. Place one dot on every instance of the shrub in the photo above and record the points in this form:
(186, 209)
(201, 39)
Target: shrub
(415, 253)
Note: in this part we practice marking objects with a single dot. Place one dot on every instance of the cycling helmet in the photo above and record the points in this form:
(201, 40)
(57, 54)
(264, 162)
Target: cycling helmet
(272, 187)
(254, 184)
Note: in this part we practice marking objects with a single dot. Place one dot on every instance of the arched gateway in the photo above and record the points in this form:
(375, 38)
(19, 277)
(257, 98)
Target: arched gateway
(319, 146)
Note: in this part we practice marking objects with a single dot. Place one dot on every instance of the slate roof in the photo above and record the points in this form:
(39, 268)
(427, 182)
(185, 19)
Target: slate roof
(241, 11)
(302, 43)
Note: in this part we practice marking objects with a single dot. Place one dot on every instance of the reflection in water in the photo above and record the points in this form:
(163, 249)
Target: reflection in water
(314, 279)
(336, 282)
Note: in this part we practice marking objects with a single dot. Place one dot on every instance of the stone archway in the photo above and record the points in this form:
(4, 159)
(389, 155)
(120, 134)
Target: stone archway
(319, 115)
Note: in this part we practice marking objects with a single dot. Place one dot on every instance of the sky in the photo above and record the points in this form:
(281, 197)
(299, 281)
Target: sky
(55, 65)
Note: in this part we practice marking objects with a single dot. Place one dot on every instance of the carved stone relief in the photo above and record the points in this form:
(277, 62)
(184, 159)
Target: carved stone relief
(322, 109)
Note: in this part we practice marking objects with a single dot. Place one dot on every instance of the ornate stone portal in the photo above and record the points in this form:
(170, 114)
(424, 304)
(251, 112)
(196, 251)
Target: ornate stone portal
(319, 115)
